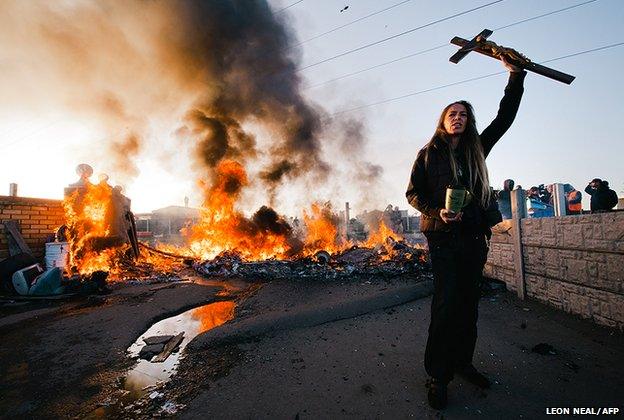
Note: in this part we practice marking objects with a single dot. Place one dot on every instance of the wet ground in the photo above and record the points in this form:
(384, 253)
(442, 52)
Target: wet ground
(68, 357)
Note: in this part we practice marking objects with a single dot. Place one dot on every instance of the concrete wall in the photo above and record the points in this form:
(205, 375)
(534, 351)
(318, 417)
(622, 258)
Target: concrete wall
(501, 258)
(575, 263)
(38, 219)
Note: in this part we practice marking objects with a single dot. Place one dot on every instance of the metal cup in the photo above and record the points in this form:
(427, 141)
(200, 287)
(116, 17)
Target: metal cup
(457, 198)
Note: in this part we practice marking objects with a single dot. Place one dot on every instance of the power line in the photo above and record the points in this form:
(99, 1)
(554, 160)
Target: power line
(289, 6)
(378, 65)
(544, 15)
(584, 52)
(472, 79)
(32, 133)
(397, 35)
(351, 23)
(443, 45)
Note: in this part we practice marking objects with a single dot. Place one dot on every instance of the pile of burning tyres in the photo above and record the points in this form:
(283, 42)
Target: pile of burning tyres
(226, 243)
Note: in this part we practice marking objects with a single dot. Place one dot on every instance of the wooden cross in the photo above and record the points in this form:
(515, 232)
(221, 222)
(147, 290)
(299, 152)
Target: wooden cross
(481, 45)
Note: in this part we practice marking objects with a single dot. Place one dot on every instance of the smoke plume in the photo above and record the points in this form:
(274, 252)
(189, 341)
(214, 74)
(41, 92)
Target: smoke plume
(217, 70)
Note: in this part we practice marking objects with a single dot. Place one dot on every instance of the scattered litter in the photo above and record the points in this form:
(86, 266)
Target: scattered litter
(155, 395)
(573, 366)
(544, 349)
(171, 408)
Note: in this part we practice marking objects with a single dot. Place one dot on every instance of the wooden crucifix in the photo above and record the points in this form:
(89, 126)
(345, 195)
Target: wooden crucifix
(481, 45)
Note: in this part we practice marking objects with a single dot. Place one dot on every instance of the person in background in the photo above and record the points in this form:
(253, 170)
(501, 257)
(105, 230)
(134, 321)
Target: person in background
(613, 197)
(504, 199)
(533, 193)
(457, 241)
(546, 193)
(602, 197)
(573, 200)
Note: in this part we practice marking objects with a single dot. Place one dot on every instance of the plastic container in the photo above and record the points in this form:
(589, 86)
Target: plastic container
(56, 254)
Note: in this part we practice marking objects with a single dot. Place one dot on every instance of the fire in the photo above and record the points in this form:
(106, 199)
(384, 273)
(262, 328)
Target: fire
(381, 236)
(322, 231)
(98, 232)
(224, 229)
(95, 241)
(266, 235)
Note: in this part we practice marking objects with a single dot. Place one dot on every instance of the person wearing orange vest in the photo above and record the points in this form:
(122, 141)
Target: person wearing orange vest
(573, 200)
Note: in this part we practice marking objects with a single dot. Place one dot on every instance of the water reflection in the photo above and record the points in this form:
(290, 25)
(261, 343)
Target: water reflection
(192, 323)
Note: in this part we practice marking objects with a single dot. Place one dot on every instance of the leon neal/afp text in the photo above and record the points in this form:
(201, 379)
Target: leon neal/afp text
(596, 411)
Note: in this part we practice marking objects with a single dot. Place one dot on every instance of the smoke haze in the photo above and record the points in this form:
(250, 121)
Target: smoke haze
(211, 68)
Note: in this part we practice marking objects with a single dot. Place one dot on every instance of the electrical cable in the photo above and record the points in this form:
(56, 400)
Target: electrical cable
(288, 7)
(351, 23)
(544, 15)
(444, 45)
(360, 48)
(32, 133)
(472, 79)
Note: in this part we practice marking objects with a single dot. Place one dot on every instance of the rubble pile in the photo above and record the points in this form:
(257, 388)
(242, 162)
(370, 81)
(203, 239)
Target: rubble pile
(392, 259)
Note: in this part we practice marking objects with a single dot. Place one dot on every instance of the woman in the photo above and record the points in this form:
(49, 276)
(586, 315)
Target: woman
(457, 241)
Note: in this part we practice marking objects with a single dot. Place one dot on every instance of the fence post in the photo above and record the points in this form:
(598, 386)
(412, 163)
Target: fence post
(518, 212)
(559, 200)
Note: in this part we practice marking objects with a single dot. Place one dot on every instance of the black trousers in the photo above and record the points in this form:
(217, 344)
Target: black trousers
(457, 260)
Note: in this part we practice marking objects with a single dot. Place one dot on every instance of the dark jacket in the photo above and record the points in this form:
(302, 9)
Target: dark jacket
(602, 199)
(427, 187)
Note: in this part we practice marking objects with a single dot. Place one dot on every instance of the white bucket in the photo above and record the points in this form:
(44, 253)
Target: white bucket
(56, 254)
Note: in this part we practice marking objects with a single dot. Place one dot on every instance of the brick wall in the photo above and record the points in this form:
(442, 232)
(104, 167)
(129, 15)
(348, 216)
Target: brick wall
(37, 218)
(575, 263)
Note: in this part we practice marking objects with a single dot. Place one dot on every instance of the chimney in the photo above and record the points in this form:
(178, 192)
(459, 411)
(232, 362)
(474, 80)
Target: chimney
(13, 189)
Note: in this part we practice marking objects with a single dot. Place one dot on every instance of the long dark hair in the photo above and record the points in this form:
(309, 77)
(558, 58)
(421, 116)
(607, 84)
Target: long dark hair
(470, 146)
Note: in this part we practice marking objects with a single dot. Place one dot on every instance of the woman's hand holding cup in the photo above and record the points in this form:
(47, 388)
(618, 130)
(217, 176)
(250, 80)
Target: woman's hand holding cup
(448, 216)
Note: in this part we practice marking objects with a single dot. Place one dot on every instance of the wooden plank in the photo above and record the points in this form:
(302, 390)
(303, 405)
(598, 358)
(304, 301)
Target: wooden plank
(14, 238)
(169, 348)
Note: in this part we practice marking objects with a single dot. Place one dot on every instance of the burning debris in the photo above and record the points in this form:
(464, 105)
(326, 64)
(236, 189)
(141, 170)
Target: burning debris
(226, 243)
(99, 224)
(387, 260)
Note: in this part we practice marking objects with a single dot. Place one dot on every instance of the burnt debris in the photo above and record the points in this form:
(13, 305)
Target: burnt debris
(394, 258)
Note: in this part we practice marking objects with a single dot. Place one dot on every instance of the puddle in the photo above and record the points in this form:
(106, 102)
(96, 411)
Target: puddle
(192, 322)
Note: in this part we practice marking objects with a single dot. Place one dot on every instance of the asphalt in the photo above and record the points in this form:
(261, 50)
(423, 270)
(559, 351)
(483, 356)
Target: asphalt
(371, 365)
(303, 349)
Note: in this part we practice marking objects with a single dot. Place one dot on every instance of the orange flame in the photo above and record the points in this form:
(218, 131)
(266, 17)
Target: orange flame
(92, 213)
(95, 243)
(223, 228)
(322, 231)
(381, 235)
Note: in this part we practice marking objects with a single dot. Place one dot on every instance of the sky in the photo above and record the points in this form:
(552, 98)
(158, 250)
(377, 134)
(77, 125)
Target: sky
(563, 133)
